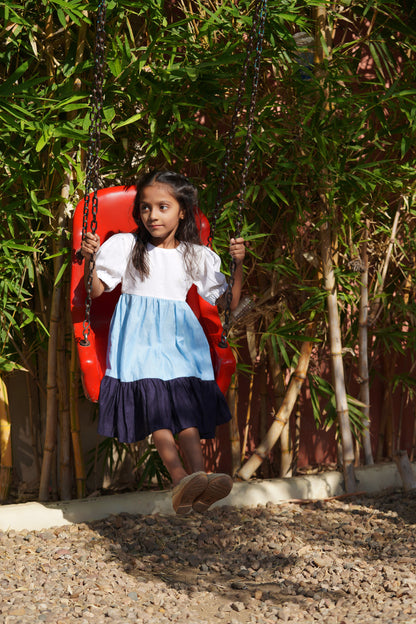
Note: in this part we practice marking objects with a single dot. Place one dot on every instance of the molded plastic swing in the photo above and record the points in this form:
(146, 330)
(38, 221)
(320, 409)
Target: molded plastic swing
(115, 215)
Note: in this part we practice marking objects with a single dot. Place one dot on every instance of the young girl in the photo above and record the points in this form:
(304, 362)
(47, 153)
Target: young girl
(159, 378)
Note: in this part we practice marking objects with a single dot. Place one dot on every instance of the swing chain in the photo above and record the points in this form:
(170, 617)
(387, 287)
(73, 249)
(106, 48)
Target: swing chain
(257, 30)
(259, 20)
(92, 167)
(250, 117)
(227, 311)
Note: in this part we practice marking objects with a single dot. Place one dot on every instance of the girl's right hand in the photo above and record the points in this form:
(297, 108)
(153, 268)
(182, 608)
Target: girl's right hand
(90, 245)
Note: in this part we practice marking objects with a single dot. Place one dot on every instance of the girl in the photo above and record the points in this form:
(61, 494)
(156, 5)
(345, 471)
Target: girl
(159, 378)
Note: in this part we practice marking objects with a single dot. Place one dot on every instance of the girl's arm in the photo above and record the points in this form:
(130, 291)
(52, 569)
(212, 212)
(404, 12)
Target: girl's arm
(237, 251)
(89, 247)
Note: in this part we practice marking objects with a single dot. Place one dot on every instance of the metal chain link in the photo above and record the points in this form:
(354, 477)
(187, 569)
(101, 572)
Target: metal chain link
(250, 117)
(93, 161)
(233, 128)
(259, 20)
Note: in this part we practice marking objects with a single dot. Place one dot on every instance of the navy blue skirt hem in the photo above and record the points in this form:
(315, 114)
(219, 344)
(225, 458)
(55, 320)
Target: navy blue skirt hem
(130, 411)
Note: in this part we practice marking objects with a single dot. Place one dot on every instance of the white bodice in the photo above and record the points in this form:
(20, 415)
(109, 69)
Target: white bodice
(168, 278)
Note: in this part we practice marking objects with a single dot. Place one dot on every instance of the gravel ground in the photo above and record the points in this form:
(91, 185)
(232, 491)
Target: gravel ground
(338, 561)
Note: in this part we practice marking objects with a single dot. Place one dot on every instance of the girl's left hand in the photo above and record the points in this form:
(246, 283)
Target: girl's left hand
(237, 249)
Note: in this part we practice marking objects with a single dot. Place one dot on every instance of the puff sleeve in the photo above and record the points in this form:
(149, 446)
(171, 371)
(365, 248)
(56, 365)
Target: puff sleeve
(112, 259)
(211, 283)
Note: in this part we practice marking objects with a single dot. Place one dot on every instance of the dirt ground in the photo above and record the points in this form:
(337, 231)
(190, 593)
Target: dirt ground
(341, 561)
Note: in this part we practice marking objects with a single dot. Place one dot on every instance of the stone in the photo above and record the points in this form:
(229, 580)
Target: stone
(333, 563)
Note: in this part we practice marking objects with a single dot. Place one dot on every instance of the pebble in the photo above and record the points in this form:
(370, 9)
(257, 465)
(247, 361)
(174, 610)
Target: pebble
(334, 561)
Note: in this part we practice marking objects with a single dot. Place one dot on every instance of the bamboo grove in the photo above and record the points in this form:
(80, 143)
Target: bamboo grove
(330, 214)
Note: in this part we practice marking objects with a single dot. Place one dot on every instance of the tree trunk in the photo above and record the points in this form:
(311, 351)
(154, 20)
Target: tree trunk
(336, 360)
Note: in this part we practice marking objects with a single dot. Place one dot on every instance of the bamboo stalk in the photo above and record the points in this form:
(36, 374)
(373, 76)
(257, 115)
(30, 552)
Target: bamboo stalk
(263, 414)
(407, 286)
(54, 398)
(6, 464)
(68, 406)
(65, 474)
(413, 449)
(79, 55)
(397, 442)
(80, 475)
(42, 304)
(252, 349)
(248, 417)
(336, 359)
(286, 450)
(322, 53)
(382, 427)
(363, 352)
(234, 431)
(296, 443)
(379, 285)
(387, 414)
(406, 471)
(33, 428)
(49, 48)
(51, 382)
(283, 415)
(51, 396)
(278, 396)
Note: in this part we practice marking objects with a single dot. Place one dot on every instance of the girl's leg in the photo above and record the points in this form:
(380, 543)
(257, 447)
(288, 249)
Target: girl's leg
(188, 487)
(190, 445)
(166, 447)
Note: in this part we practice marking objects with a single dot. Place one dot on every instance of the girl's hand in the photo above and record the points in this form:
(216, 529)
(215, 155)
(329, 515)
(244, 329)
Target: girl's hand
(237, 250)
(90, 245)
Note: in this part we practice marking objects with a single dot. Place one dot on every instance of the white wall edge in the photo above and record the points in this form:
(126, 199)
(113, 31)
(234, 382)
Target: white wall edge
(34, 516)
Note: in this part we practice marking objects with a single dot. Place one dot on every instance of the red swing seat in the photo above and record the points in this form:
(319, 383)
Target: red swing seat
(115, 205)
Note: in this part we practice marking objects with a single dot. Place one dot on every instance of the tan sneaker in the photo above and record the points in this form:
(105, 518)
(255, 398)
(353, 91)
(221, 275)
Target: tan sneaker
(187, 490)
(219, 486)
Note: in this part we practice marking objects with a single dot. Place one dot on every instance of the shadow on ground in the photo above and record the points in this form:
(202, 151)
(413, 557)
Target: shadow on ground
(288, 553)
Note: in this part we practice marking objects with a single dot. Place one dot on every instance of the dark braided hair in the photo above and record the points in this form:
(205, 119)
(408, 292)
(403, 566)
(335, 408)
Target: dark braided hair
(187, 197)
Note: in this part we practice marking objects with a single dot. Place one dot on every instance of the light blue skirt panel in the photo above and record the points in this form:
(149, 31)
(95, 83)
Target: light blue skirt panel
(154, 338)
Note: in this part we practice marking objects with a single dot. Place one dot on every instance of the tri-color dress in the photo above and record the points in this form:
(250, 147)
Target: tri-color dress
(159, 373)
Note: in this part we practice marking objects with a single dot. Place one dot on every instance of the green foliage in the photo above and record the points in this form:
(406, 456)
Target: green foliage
(326, 415)
(110, 455)
(170, 89)
(152, 468)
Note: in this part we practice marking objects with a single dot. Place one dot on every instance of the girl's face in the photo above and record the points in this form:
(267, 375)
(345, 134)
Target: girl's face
(161, 214)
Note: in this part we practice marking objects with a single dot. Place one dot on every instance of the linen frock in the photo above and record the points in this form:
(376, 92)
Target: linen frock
(159, 372)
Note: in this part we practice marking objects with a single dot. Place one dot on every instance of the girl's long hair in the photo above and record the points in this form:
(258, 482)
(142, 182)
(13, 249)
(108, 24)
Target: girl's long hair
(187, 197)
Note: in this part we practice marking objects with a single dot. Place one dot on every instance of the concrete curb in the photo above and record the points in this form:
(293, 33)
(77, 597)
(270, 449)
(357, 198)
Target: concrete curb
(38, 516)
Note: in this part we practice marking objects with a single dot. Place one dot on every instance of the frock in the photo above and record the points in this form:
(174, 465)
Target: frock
(159, 372)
